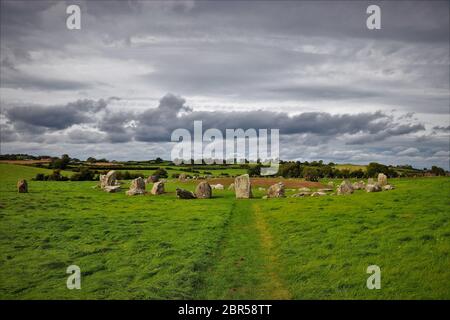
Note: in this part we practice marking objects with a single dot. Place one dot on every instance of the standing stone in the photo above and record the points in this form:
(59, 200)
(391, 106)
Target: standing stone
(184, 194)
(318, 194)
(203, 190)
(137, 187)
(276, 190)
(158, 188)
(217, 186)
(345, 188)
(231, 187)
(22, 186)
(359, 185)
(112, 189)
(370, 181)
(373, 188)
(182, 177)
(109, 179)
(243, 187)
(382, 179)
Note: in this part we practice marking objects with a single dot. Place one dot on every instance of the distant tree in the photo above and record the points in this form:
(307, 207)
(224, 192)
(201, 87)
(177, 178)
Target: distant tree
(60, 163)
(91, 159)
(254, 171)
(437, 171)
(84, 174)
(290, 170)
(357, 174)
(373, 169)
(158, 160)
(311, 174)
(160, 173)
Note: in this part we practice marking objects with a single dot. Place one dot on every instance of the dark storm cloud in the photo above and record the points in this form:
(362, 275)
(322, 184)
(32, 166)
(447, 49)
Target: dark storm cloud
(157, 124)
(54, 117)
(384, 134)
(441, 128)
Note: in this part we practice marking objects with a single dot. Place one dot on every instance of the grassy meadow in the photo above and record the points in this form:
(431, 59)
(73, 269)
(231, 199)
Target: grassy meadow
(160, 247)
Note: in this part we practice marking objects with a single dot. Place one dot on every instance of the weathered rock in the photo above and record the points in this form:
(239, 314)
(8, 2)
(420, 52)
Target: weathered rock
(382, 179)
(388, 187)
(109, 179)
(182, 177)
(158, 188)
(359, 185)
(112, 189)
(231, 187)
(318, 194)
(22, 186)
(184, 194)
(304, 189)
(370, 181)
(344, 188)
(301, 194)
(276, 190)
(373, 188)
(152, 179)
(217, 186)
(243, 187)
(137, 187)
(203, 190)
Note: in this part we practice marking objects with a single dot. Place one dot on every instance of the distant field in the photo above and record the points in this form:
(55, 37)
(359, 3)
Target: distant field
(160, 247)
(351, 167)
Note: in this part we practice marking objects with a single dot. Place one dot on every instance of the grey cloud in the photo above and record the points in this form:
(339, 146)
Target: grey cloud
(442, 128)
(157, 124)
(54, 117)
(393, 130)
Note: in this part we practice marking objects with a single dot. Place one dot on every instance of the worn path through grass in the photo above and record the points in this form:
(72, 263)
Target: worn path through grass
(246, 264)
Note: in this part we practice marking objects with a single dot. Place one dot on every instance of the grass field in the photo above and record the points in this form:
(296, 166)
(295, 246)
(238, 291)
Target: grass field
(160, 247)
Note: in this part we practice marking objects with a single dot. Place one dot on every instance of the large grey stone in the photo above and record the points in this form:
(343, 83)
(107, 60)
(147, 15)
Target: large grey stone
(243, 187)
(185, 194)
(382, 179)
(137, 187)
(109, 179)
(373, 188)
(276, 190)
(158, 188)
(112, 189)
(203, 190)
(22, 186)
(345, 188)
(359, 185)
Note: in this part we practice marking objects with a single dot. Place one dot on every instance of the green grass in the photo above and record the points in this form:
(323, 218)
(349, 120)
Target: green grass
(160, 247)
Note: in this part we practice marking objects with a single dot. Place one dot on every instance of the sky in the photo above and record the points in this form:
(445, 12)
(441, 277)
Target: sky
(137, 70)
